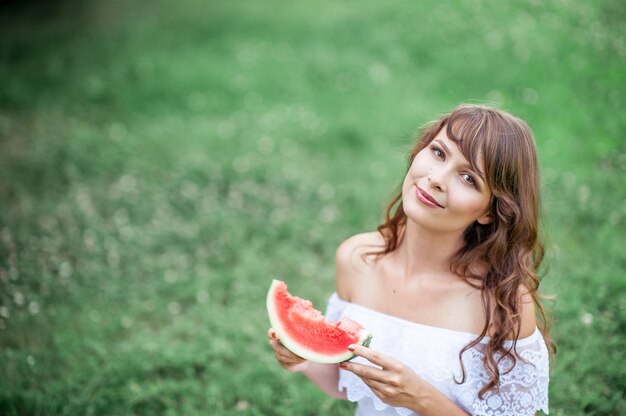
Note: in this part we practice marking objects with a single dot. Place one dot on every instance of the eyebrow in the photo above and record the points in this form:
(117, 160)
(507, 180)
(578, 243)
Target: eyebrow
(442, 144)
(467, 165)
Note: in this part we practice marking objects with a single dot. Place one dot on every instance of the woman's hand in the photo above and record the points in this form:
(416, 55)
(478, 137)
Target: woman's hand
(394, 383)
(397, 385)
(287, 360)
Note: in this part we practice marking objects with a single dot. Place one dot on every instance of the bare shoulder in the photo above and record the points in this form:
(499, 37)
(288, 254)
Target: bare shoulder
(528, 317)
(528, 321)
(351, 262)
(360, 243)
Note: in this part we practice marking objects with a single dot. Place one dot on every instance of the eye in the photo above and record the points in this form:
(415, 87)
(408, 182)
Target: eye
(438, 152)
(469, 179)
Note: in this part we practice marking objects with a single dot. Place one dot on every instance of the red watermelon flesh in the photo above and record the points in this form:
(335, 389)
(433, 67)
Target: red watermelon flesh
(305, 331)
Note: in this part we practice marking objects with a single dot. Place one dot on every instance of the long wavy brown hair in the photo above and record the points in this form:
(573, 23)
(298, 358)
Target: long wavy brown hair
(496, 257)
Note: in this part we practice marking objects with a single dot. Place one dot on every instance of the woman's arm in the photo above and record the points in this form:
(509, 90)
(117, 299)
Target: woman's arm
(324, 376)
(434, 403)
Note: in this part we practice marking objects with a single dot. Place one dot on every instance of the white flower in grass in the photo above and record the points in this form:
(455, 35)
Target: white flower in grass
(18, 298)
(174, 308)
(33, 308)
(202, 296)
(126, 322)
(586, 318)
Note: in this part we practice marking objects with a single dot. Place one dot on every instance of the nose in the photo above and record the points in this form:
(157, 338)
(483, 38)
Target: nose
(436, 179)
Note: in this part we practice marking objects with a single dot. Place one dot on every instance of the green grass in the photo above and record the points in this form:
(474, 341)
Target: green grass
(161, 162)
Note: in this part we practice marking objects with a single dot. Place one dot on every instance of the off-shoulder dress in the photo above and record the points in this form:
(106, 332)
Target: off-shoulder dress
(433, 353)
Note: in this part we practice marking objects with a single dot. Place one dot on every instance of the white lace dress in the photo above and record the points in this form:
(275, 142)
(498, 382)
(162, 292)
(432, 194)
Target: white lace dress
(433, 353)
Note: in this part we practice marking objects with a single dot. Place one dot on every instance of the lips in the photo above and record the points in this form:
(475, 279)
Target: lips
(426, 198)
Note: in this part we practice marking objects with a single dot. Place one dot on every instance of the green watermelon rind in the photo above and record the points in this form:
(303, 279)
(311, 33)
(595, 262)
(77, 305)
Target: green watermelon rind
(300, 350)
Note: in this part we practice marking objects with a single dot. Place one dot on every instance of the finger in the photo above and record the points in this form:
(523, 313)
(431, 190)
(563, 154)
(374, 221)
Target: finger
(279, 347)
(271, 334)
(283, 354)
(377, 387)
(372, 356)
(287, 355)
(382, 389)
(365, 371)
(287, 361)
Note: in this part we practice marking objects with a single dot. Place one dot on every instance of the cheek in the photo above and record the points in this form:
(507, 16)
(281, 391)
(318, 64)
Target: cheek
(411, 174)
(418, 166)
(481, 207)
(469, 202)
(407, 186)
(478, 207)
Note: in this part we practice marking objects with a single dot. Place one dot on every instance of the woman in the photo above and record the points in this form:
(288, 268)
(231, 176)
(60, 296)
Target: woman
(448, 283)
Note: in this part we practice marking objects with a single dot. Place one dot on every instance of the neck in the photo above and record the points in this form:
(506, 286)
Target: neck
(424, 252)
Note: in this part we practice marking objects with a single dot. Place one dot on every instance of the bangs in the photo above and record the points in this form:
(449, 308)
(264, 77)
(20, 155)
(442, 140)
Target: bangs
(469, 132)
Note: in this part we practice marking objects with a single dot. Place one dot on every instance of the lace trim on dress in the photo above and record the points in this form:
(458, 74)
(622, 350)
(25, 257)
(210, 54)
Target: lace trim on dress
(433, 354)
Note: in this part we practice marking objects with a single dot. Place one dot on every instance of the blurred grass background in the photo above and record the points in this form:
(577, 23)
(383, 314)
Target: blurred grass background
(161, 162)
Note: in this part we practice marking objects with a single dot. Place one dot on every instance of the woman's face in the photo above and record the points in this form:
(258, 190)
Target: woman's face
(442, 192)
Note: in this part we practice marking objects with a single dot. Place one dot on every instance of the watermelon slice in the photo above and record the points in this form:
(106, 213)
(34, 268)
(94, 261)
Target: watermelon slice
(305, 331)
